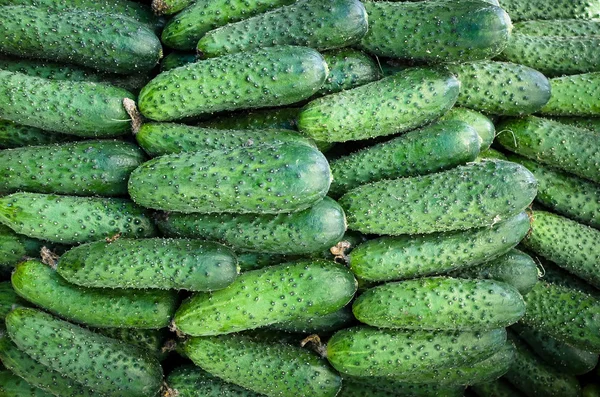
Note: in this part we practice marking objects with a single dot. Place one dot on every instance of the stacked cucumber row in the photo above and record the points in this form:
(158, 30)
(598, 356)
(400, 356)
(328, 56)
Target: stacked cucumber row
(299, 198)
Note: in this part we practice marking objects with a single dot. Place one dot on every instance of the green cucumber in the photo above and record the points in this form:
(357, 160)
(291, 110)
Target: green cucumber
(556, 275)
(462, 198)
(113, 44)
(13, 135)
(566, 314)
(559, 28)
(491, 154)
(479, 122)
(125, 308)
(510, 89)
(548, 142)
(71, 107)
(8, 299)
(588, 123)
(261, 78)
(148, 339)
(591, 390)
(372, 110)
(263, 119)
(574, 96)
(520, 10)
(86, 168)
(72, 220)
(103, 364)
(313, 230)
(388, 387)
(570, 245)
(278, 293)
(191, 381)
(318, 324)
(248, 260)
(311, 23)
(436, 31)
(497, 388)
(13, 386)
(348, 68)
(168, 7)
(263, 366)
(177, 59)
(150, 263)
(367, 351)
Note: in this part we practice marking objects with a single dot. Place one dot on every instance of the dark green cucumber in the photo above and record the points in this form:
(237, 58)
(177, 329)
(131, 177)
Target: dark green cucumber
(372, 110)
(348, 68)
(462, 198)
(263, 366)
(13, 135)
(588, 123)
(151, 340)
(71, 107)
(13, 386)
(16, 247)
(72, 220)
(388, 387)
(479, 122)
(86, 168)
(491, 154)
(168, 7)
(150, 263)
(436, 31)
(556, 275)
(191, 381)
(559, 28)
(311, 23)
(8, 299)
(497, 388)
(566, 314)
(367, 351)
(177, 59)
(103, 364)
(267, 296)
(590, 390)
(261, 78)
(510, 89)
(318, 324)
(548, 142)
(264, 119)
(248, 260)
(574, 96)
(570, 245)
(520, 10)
(310, 231)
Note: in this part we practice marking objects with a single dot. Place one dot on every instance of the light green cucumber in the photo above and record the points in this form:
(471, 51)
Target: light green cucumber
(318, 324)
(13, 135)
(497, 388)
(388, 387)
(255, 79)
(520, 10)
(72, 220)
(574, 96)
(479, 122)
(372, 110)
(8, 299)
(588, 123)
(177, 59)
(491, 154)
(262, 119)
(278, 293)
(348, 68)
(559, 28)
(13, 386)
(191, 381)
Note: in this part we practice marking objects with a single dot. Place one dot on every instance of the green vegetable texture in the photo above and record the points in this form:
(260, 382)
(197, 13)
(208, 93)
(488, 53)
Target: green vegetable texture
(177, 59)
(262, 119)
(13, 386)
(168, 7)
(388, 387)
(588, 123)
(520, 10)
(13, 135)
(497, 388)
(559, 28)
(318, 324)
(574, 96)
(8, 299)
(148, 339)
(348, 68)
(556, 275)
(191, 381)
(479, 122)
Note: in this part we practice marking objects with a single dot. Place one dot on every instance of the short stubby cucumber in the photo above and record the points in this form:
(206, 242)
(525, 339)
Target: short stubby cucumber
(430, 149)
(549, 142)
(559, 28)
(73, 220)
(265, 367)
(191, 381)
(348, 68)
(479, 122)
(150, 263)
(103, 364)
(497, 388)
(520, 10)
(262, 119)
(436, 31)
(440, 303)
(8, 299)
(177, 59)
(397, 103)
(588, 123)
(368, 351)
(261, 78)
(13, 135)
(510, 89)
(318, 324)
(462, 198)
(311, 23)
(574, 96)
(82, 168)
(267, 296)
(14, 386)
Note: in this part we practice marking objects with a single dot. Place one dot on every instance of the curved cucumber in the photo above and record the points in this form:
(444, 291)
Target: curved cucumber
(13, 386)
(388, 387)
(479, 122)
(13, 135)
(559, 28)
(559, 9)
(497, 388)
(177, 59)
(574, 96)
(8, 299)
(191, 381)
(262, 119)
(318, 324)
(348, 68)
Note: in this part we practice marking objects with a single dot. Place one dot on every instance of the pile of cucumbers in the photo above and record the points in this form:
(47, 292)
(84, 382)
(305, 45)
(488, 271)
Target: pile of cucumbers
(299, 198)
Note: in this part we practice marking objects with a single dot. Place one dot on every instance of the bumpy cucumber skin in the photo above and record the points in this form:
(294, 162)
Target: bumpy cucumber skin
(12, 249)
(566, 314)
(177, 59)
(574, 96)
(479, 122)
(437, 31)
(348, 68)
(588, 123)
(150, 263)
(106, 365)
(466, 197)
(191, 381)
(148, 339)
(72, 220)
(559, 28)
(264, 119)
(520, 10)
(248, 260)
(491, 154)
(261, 78)
(497, 388)
(556, 275)
(269, 179)
(266, 367)
(318, 324)
(278, 293)
(77, 108)
(367, 351)
(372, 110)
(13, 135)
(13, 386)
(168, 7)
(8, 299)
(510, 89)
(388, 387)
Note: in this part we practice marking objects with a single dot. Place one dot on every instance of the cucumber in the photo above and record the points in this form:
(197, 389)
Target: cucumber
(566, 314)
(8, 299)
(117, 45)
(184, 30)
(270, 77)
(100, 363)
(436, 31)
(559, 9)
(86, 168)
(574, 96)
(191, 381)
(14, 386)
(433, 148)
(177, 59)
(150, 263)
(73, 220)
(588, 123)
(248, 260)
(367, 351)
(479, 122)
(168, 7)
(548, 142)
(278, 293)
(13, 135)
(41, 285)
(264, 119)
(440, 303)
(387, 387)
(372, 110)
(457, 199)
(348, 68)
(269, 179)
(497, 388)
(510, 89)
(591, 390)
(312, 230)
(151, 340)
(311, 23)
(515, 268)
(556, 275)
(318, 324)
(571, 245)
(491, 154)
(565, 194)
(78, 108)
(559, 28)
(263, 366)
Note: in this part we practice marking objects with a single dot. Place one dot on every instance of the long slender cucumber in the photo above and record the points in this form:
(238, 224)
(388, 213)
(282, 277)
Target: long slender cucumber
(574, 96)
